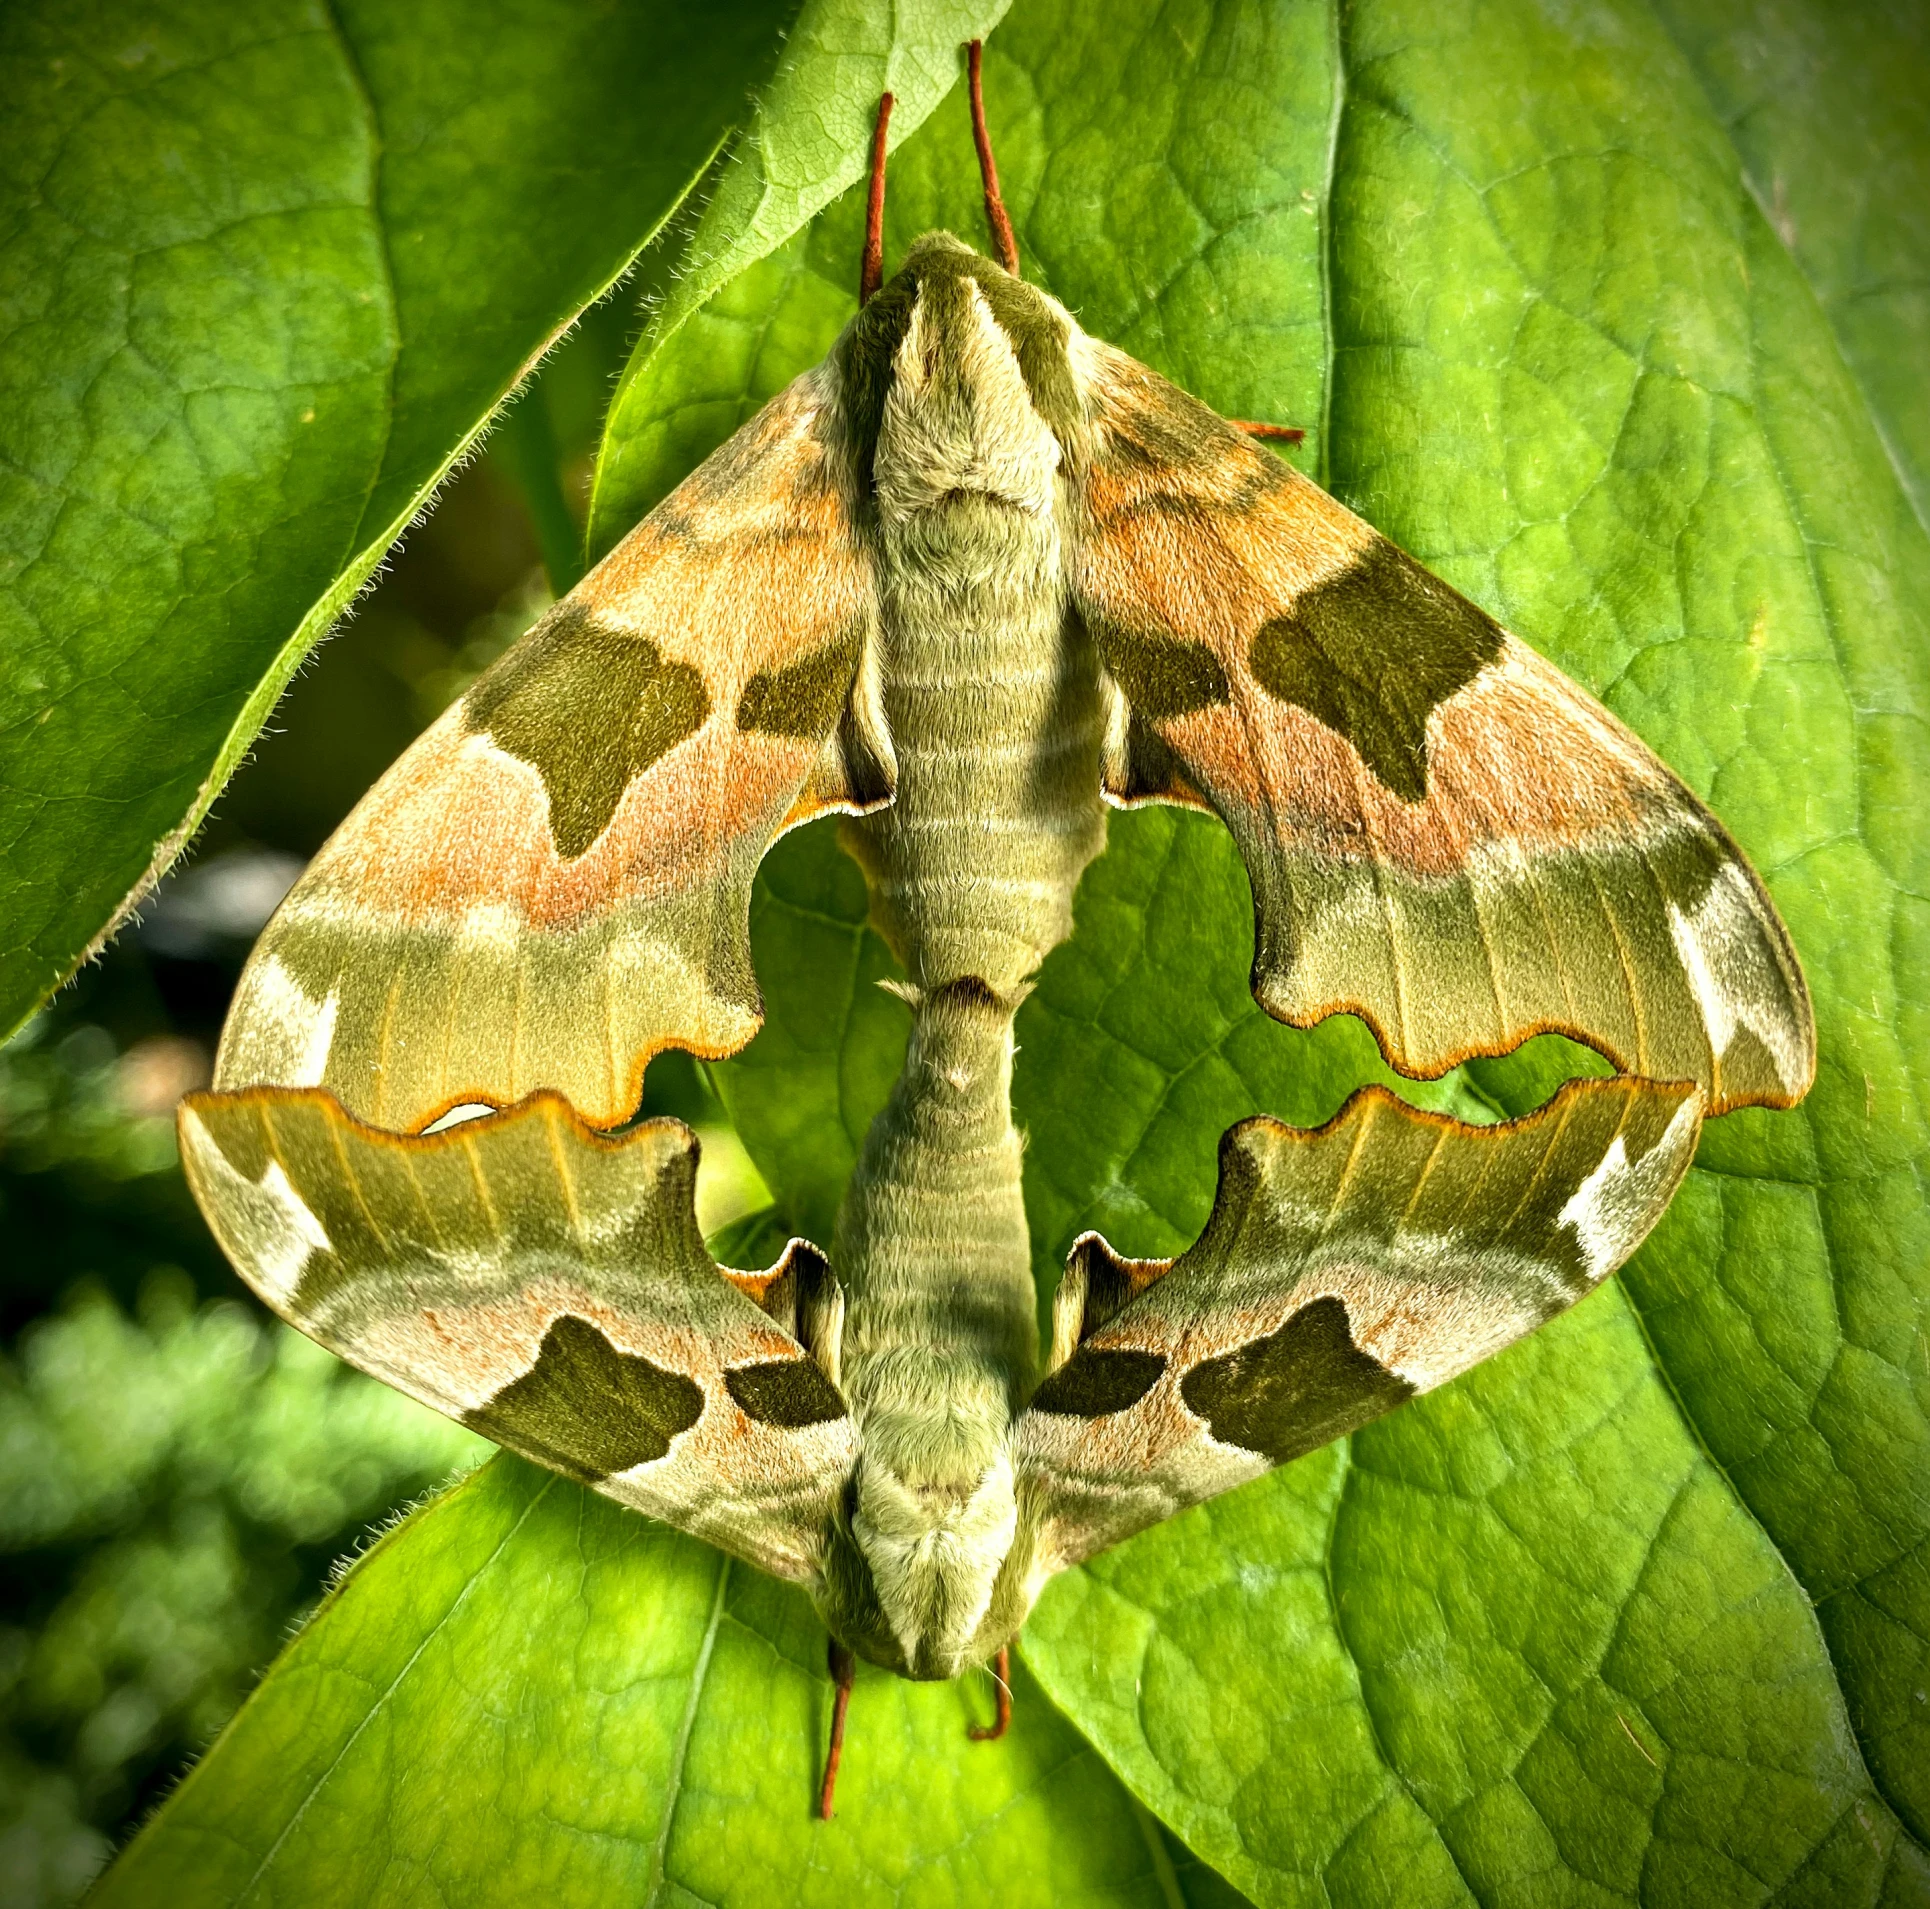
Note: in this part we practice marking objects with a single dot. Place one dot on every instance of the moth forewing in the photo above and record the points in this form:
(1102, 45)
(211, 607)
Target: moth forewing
(553, 884)
(1445, 835)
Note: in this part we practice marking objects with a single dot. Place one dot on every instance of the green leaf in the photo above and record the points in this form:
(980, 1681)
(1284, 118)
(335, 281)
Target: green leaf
(265, 269)
(527, 1694)
(1829, 109)
(1380, 1678)
(1640, 1608)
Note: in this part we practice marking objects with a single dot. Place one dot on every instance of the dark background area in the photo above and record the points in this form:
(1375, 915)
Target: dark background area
(178, 1472)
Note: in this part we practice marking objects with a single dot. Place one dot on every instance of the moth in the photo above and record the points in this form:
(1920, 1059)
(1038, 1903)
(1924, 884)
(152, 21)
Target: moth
(971, 579)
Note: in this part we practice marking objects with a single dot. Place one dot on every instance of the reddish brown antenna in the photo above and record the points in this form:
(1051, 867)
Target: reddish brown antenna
(1002, 235)
(871, 270)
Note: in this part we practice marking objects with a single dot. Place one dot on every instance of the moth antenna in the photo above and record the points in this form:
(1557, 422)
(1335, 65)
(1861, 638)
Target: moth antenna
(1284, 433)
(843, 1666)
(1002, 1717)
(871, 271)
(1002, 235)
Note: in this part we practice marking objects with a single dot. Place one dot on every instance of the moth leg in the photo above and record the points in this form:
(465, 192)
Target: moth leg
(871, 270)
(1002, 1717)
(844, 1671)
(1003, 236)
(1279, 433)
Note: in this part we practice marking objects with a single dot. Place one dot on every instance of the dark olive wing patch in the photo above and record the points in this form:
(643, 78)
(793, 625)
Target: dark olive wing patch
(788, 1392)
(1293, 1390)
(587, 1409)
(803, 698)
(1445, 836)
(589, 709)
(1095, 1382)
(1162, 676)
(1372, 651)
(553, 883)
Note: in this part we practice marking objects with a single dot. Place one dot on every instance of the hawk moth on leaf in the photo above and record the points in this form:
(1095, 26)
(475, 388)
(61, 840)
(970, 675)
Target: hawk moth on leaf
(968, 580)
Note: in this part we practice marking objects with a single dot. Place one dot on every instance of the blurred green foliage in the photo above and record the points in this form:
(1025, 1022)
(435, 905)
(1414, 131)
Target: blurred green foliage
(175, 1482)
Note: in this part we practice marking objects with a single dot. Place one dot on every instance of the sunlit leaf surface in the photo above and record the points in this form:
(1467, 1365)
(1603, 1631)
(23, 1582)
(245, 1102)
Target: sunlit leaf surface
(614, 1713)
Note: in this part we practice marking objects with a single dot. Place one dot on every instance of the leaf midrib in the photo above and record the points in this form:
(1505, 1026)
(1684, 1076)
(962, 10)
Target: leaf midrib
(378, 149)
(680, 1750)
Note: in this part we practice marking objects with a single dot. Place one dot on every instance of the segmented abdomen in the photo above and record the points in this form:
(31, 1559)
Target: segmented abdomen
(994, 711)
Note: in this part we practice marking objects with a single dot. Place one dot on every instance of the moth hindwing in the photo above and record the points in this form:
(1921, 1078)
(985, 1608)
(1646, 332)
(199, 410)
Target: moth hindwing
(549, 1287)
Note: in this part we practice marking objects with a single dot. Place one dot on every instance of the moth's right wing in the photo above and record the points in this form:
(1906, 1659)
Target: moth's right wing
(554, 882)
(549, 1287)
(1343, 1271)
(1445, 835)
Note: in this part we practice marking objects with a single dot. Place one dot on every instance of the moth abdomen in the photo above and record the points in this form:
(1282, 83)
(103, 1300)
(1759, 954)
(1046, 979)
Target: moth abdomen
(991, 694)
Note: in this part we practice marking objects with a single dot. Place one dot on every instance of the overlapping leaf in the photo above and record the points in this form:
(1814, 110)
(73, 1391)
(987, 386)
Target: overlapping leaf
(267, 267)
(265, 270)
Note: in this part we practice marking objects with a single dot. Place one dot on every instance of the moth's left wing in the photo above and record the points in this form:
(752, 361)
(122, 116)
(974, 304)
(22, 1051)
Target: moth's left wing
(549, 1287)
(553, 883)
(1445, 835)
(1343, 1271)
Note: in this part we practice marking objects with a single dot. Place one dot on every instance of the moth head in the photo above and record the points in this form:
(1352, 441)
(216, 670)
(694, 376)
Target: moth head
(959, 382)
(929, 1581)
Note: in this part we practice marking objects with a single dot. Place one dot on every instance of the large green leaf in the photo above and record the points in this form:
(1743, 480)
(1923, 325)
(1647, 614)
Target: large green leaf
(1513, 269)
(530, 1695)
(1636, 1611)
